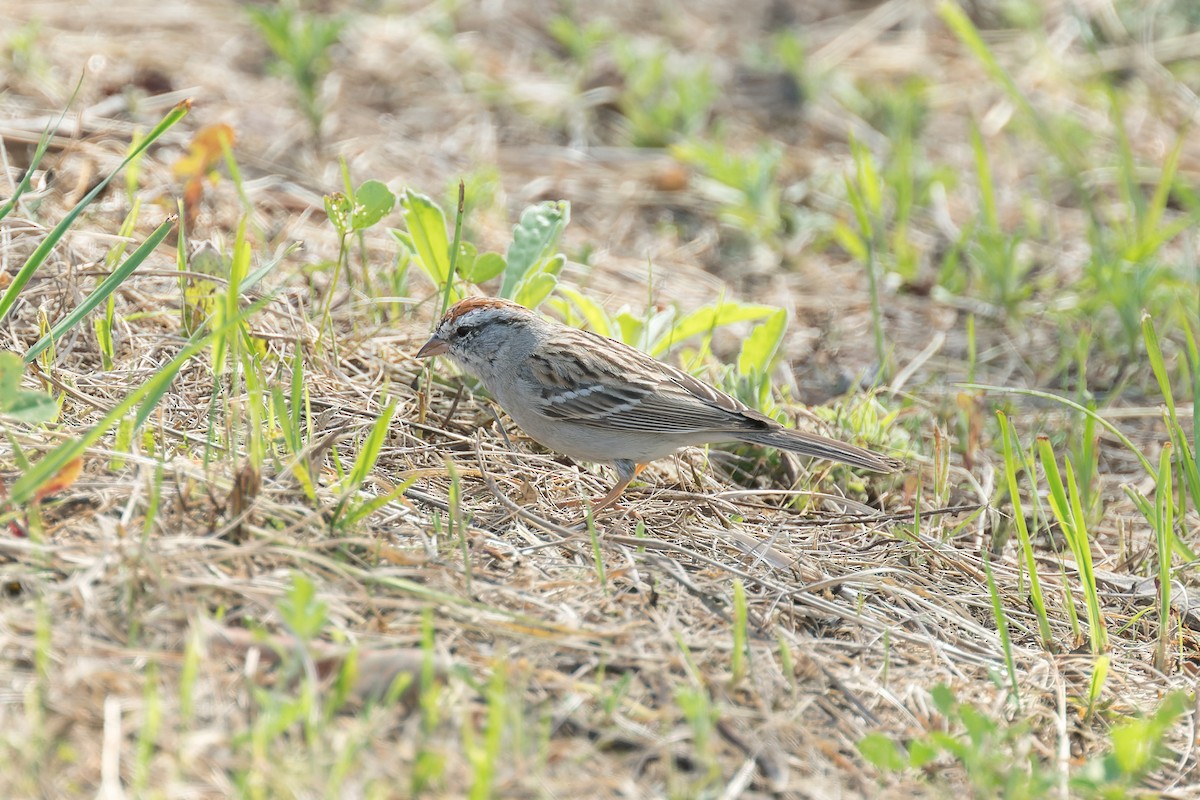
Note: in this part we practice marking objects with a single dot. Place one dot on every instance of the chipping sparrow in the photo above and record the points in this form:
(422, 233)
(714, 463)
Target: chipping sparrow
(596, 399)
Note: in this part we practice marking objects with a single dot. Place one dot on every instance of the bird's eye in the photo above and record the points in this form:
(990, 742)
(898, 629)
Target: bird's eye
(463, 332)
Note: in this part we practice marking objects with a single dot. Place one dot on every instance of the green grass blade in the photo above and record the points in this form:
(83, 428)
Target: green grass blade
(1067, 509)
(39, 256)
(1108, 426)
(1087, 572)
(1008, 440)
(368, 454)
(148, 395)
(454, 247)
(1158, 365)
(1164, 525)
(38, 154)
(102, 292)
(1002, 628)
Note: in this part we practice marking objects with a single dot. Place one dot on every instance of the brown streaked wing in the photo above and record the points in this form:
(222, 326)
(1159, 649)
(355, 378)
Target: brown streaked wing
(613, 396)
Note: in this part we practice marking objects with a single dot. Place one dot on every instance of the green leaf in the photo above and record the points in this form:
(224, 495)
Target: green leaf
(590, 310)
(943, 699)
(467, 253)
(535, 289)
(851, 242)
(921, 752)
(339, 209)
(404, 239)
(427, 230)
(631, 328)
(11, 370)
(38, 154)
(484, 268)
(868, 180)
(368, 452)
(1157, 364)
(372, 202)
(22, 404)
(534, 240)
(881, 751)
(707, 319)
(761, 345)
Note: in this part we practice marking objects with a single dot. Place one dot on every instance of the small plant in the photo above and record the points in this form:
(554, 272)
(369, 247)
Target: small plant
(665, 98)
(22, 405)
(143, 398)
(352, 212)
(301, 44)
(429, 763)
(865, 191)
(702, 716)
(303, 613)
(1068, 511)
(483, 750)
(22, 50)
(999, 762)
(580, 42)
(528, 271)
(745, 188)
(996, 269)
(295, 427)
(1127, 273)
(1015, 463)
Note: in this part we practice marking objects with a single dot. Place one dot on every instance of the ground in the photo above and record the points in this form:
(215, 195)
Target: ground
(217, 605)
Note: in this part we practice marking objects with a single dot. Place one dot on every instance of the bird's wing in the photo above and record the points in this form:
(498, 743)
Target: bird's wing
(612, 385)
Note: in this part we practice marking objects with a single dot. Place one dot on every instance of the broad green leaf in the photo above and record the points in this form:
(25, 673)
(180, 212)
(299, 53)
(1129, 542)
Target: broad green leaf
(484, 268)
(554, 264)
(589, 309)
(339, 209)
(427, 230)
(11, 370)
(761, 345)
(467, 253)
(22, 404)
(534, 240)
(631, 328)
(943, 699)
(405, 240)
(372, 202)
(880, 750)
(709, 318)
(536, 289)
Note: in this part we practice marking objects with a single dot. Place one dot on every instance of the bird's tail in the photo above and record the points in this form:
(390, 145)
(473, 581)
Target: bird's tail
(811, 444)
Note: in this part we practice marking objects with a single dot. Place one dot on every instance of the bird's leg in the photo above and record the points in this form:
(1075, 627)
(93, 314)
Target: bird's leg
(622, 485)
(626, 472)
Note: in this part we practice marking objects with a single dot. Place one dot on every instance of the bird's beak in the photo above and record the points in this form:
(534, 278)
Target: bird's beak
(434, 347)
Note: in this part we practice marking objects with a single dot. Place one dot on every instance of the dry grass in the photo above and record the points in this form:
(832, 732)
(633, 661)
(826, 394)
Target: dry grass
(162, 659)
